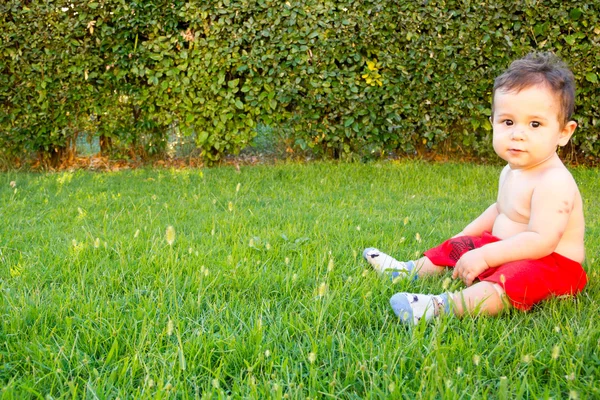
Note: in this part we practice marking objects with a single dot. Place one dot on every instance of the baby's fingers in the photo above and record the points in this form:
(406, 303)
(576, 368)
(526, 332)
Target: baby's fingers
(468, 280)
(455, 274)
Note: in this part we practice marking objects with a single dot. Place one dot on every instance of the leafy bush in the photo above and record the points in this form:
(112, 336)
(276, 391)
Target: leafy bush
(339, 77)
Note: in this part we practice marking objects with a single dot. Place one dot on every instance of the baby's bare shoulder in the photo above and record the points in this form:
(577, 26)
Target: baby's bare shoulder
(557, 181)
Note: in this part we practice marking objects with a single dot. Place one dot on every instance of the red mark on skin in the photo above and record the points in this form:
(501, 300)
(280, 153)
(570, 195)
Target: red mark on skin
(566, 209)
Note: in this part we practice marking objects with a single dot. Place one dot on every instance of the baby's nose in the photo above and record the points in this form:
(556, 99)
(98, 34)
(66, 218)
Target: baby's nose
(517, 133)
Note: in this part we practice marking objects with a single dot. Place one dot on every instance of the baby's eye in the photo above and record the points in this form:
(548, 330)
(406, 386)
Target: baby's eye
(535, 124)
(507, 122)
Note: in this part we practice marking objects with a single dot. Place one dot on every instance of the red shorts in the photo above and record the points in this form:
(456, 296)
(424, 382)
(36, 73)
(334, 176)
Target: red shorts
(526, 282)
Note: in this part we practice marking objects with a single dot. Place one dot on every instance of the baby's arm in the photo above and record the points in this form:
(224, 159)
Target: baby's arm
(551, 204)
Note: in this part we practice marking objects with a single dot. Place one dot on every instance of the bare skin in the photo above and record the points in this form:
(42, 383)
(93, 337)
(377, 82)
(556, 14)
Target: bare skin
(538, 209)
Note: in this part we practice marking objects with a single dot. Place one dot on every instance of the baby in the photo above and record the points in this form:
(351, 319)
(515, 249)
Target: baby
(528, 245)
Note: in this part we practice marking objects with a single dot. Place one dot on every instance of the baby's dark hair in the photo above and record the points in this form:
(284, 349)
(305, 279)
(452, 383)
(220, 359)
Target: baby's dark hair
(541, 69)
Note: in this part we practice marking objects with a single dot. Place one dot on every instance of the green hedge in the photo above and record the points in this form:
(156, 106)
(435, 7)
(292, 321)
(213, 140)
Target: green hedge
(338, 77)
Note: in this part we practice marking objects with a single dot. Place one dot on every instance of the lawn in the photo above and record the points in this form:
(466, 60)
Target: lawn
(210, 283)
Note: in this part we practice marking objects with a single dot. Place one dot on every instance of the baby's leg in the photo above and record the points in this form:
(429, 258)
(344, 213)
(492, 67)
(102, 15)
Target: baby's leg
(425, 267)
(481, 298)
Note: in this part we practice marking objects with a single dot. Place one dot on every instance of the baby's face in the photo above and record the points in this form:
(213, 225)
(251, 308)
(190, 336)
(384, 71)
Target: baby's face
(526, 126)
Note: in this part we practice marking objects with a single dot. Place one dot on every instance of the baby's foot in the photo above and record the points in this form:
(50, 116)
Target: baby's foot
(381, 262)
(410, 308)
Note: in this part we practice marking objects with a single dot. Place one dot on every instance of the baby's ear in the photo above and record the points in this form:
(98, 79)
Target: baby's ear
(566, 133)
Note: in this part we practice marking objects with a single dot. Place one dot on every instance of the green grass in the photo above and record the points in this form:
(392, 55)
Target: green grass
(263, 293)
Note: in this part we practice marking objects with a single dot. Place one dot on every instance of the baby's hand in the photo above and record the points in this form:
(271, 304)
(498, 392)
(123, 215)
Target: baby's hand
(469, 266)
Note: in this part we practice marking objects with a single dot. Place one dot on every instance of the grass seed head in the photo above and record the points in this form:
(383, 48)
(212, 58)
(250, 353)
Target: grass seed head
(204, 271)
(322, 291)
(170, 235)
(446, 283)
(312, 357)
(555, 352)
(570, 377)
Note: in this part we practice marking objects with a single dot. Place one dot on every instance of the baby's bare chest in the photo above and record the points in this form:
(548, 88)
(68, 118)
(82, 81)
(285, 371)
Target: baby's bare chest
(514, 199)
